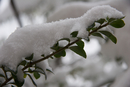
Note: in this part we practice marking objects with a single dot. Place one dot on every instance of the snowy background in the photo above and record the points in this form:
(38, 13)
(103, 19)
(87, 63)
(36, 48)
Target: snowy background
(105, 61)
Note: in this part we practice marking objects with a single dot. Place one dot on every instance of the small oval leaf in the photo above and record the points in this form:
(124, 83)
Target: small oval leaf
(90, 27)
(60, 54)
(78, 50)
(74, 34)
(49, 70)
(110, 36)
(32, 80)
(117, 23)
(80, 44)
(97, 34)
(111, 19)
(36, 75)
(55, 46)
(23, 63)
(101, 21)
(29, 57)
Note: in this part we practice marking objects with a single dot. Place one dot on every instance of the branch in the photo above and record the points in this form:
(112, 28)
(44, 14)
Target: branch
(51, 54)
(6, 77)
(32, 63)
(98, 28)
(48, 56)
(7, 80)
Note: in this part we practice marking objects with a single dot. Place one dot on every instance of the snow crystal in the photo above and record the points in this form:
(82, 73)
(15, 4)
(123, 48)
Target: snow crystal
(38, 39)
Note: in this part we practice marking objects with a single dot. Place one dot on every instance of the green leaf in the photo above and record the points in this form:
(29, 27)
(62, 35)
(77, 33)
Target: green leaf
(52, 57)
(67, 39)
(110, 36)
(16, 80)
(90, 27)
(13, 83)
(74, 34)
(42, 55)
(39, 68)
(111, 19)
(94, 28)
(12, 86)
(36, 75)
(60, 54)
(43, 74)
(18, 83)
(23, 63)
(32, 80)
(101, 21)
(117, 23)
(87, 39)
(97, 35)
(49, 70)
(30, 70)
(107, 18)
(25, 75)
(80, 51)
(11, 71)
(29, 57)
(41, 71)
(2, 76)
(80, 44)
(55, 46)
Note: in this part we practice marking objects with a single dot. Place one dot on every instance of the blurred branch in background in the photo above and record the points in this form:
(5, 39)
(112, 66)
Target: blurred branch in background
(16, 13)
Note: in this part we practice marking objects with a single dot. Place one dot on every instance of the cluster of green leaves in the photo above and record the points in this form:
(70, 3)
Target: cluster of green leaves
(114, 22)
(33, 70)
(7, 73)
(77, 48)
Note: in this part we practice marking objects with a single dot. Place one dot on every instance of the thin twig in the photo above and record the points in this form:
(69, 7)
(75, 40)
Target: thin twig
(6, 77)
(98, 29)
(7, 80)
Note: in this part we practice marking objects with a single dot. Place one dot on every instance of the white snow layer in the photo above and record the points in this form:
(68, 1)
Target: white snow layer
(38, 39)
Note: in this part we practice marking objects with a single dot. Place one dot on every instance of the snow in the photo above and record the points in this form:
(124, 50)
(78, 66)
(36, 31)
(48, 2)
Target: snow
(38, 39)
(77, 9)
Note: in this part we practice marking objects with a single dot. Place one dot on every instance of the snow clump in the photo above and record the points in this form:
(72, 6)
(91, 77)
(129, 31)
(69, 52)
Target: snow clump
(38, 39)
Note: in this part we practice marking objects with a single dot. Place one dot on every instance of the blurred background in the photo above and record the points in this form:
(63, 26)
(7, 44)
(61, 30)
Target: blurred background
(105, 60)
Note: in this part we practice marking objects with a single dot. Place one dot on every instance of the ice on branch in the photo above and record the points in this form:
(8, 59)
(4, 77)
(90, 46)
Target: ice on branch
(38, 39)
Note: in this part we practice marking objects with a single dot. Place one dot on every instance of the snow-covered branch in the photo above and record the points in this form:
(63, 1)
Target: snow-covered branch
(43, 41)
